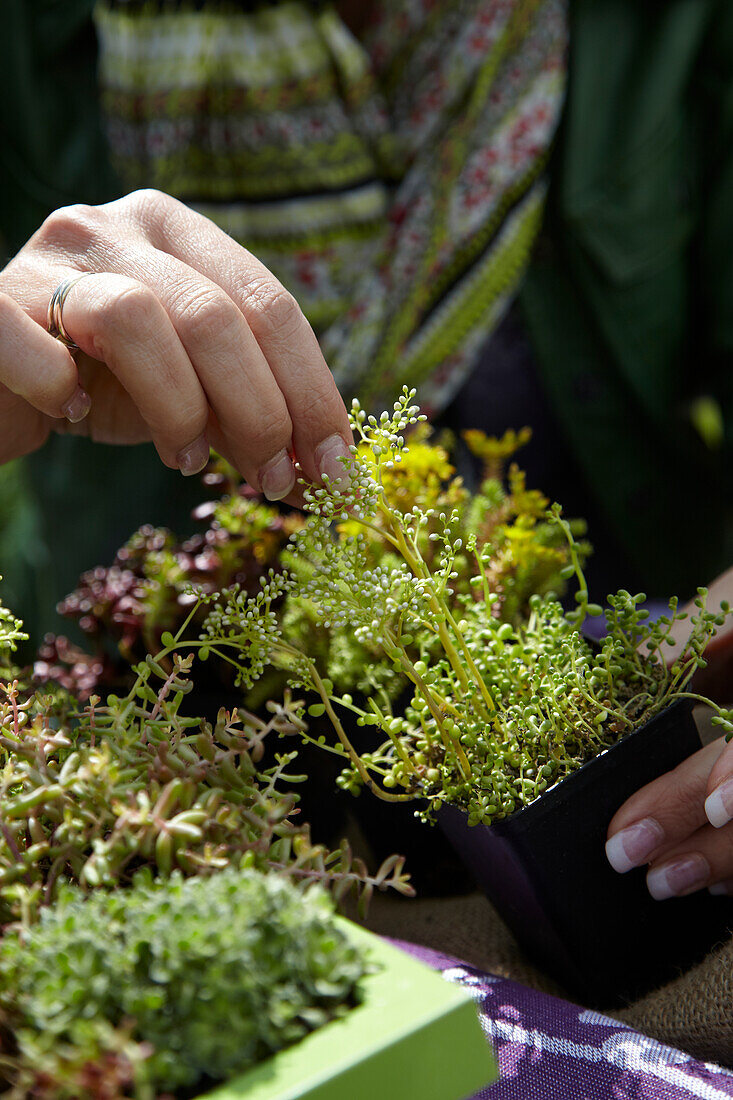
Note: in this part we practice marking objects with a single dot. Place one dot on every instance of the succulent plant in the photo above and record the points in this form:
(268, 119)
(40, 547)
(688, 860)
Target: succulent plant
(91, 796)
(498, 708)
(125, 607)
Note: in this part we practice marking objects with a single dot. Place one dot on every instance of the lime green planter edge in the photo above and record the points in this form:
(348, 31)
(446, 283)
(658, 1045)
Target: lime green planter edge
(415, 1036)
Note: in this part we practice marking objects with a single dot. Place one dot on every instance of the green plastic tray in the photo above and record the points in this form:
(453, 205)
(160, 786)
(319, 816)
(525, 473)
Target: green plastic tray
(415, 1036)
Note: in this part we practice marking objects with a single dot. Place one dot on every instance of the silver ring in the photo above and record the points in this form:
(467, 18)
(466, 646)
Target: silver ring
(55, 311)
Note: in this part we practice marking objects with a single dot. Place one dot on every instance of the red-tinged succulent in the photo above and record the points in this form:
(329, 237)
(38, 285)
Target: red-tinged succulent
(61, 662)
(154, 579)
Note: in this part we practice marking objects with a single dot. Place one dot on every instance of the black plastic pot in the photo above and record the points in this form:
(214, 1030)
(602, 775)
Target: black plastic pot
(598, 933)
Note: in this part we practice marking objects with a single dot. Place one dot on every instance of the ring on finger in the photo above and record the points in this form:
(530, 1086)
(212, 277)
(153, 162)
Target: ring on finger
(55, 311)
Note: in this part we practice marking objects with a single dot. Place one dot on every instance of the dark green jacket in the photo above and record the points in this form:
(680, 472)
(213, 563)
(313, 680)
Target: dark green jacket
(629, 300)
(630, 297)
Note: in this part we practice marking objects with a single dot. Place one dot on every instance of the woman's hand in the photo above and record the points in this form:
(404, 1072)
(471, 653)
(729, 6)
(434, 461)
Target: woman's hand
(681, 825)
(185, 339)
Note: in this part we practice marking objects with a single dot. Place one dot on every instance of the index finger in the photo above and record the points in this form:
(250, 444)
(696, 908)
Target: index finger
(321, 431)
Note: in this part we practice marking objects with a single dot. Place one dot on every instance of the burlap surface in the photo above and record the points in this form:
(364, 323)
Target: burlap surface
(694, 1013)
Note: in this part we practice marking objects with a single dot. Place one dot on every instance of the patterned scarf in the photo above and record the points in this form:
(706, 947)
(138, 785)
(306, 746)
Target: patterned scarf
(394, 183)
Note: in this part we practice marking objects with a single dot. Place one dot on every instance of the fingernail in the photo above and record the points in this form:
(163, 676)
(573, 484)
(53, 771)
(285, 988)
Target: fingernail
(192, 459)
(719, 805)
(78, 407)
(681, 877)
(329, 457)
(724, 889)
(633, 845)
(278, 477)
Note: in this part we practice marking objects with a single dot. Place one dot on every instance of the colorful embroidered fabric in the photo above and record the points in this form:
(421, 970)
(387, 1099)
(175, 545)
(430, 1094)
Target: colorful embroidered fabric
(394, 183)
(548, 1049)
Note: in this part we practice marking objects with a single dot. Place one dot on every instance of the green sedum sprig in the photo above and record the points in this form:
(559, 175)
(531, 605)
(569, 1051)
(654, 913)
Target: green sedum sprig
(11, 632)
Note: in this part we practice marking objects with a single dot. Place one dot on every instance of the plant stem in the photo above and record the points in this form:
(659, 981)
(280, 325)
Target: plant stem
(399, 747)
(354, 757)
(450, 743)
(420, 569)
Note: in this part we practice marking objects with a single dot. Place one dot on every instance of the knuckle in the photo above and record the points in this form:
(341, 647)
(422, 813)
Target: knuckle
(131, 308)
(154, 211)
(688, 802)
(274, 428)
(269, 433)
(193, 422)
(274, 311)
(323, 401)
(148, 202)
(148, 196)
(180, 426)
(74, 227)
(209, 318)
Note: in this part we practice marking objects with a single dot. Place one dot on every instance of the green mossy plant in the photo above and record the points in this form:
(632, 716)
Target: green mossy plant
(168, 986)
(524, 554)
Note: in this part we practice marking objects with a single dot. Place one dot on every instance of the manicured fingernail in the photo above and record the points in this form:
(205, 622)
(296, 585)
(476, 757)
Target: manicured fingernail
(192, 459)
(78, 407)
(330, 456)
(634, 844)
(680, 877)
(724, 889)
(719, 805)
(278, 477)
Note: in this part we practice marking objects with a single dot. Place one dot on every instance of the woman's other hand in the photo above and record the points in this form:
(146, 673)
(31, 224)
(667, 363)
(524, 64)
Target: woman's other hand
(185, 339)
(681, 825)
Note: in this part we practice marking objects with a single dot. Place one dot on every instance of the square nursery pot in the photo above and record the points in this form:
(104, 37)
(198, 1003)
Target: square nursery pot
(415, 1036)
(598, 933)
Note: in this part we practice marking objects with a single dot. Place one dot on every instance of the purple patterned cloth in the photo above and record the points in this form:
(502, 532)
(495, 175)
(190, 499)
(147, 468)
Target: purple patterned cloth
(549, 1049)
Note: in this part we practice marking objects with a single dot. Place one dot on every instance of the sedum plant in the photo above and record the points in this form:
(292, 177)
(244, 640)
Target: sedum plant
(11, 632)
(123, 609)
(498, 708)
(92, 795)
(523, 554)
(126, 607)
(168, 985)
(164, 919)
